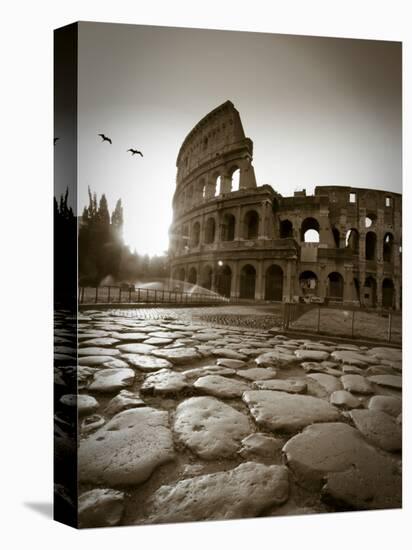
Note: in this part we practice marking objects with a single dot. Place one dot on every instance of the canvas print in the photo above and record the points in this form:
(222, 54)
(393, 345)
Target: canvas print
(228, 275)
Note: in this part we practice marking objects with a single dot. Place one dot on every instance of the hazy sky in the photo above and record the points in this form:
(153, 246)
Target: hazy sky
(320, 111)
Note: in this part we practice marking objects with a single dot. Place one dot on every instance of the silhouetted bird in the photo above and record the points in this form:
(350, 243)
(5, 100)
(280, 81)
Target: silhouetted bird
(135, 152)
(55, 140)
(105, 138)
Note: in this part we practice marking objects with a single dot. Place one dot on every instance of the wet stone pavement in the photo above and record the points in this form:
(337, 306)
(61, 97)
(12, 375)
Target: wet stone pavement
(182, 420)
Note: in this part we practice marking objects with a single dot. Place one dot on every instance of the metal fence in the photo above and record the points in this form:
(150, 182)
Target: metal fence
(131, 295)
(339, 320)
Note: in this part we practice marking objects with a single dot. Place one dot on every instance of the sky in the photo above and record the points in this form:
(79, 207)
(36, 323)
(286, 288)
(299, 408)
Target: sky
(320, 111)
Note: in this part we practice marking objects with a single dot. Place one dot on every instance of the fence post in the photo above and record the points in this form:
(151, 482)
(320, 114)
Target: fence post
(120, 294)
(108, 295)
(130, 294)
(138, 294)
(390, 327)
(97, 293)
(318, 319)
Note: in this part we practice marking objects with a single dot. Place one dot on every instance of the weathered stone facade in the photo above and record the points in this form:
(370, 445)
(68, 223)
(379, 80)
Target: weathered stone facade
(341, 244)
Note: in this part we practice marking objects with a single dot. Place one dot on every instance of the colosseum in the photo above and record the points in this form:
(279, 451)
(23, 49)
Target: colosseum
(248, 242)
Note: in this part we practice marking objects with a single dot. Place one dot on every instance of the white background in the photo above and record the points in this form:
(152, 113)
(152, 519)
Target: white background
(26, 269)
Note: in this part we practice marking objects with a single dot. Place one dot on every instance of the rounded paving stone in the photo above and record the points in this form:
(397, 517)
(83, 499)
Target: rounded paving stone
(85, 403)
(127, 449)
(379, 428)
(230, 363)
(336, 458)
(386, 403)
(124, 400)
(257, 373)
(178, 356)
(219, 386)
(289, 386)
(146, 362)
(111, 380)
(163, 382)
(344, 399)
(356, 383)
(328, 382)
(311, 355)
(142, 349)
(239, 493)
(387, 380)
(210, 428)
(278, 411)
(260, 445)
(94, 351)
(100, 508)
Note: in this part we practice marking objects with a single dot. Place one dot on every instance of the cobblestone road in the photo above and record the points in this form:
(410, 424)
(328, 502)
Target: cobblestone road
(184, 419)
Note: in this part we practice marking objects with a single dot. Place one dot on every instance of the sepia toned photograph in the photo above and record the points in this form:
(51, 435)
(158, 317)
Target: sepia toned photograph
(227, 275)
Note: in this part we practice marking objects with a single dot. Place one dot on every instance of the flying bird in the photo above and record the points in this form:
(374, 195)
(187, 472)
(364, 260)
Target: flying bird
(55, 140)
(135, 152)
(105, 138)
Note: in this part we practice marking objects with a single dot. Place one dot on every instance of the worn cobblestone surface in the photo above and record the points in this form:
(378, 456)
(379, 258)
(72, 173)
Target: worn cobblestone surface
(204, 353)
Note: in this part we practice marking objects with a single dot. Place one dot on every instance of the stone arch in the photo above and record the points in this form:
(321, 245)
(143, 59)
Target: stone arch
(309, 230)
(335, 286)
(352, 240)
(308, 282)
(274, 283)
(370, 246)
(285, 229)
(228, 227)
(251, 225)
(196, 234)
(247, 282)
(192, 276)
(207, 277)
(224, 280)
(210, 230)
(388, 293)
(388, 246)
(369, 294)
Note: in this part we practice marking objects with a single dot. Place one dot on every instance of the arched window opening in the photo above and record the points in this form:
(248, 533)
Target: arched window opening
(336, 236)
(369, 292)
(370, 220)
(207, 275)
(196, 234)
(228, 227)
(274, 283)
(247, 282)
(224, 280)
(181, 274)
(218, 187)
(370, 246)
(236, 180)
(352, 240)
(388, 247)
(308, 282)
(192, 278)
(388, 293)
(251, 225)
(335, 286)
(309, 232)
(210, 231)
(286, 229)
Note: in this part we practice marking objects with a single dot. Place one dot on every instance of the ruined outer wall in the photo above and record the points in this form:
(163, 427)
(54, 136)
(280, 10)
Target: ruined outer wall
(233, 240)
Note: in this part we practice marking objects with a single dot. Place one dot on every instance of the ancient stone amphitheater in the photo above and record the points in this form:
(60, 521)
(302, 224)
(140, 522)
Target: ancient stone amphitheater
(248, 242)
